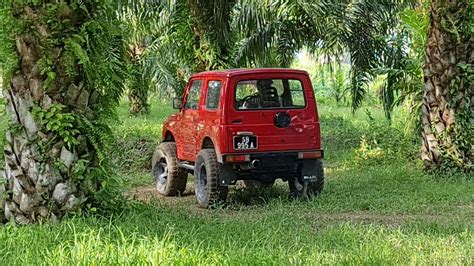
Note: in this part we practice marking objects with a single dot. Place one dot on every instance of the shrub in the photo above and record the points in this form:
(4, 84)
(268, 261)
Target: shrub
(133, 148)
(383, 142)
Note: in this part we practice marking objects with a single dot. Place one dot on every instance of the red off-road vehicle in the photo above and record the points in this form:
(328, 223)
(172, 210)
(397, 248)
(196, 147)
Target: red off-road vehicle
(255, 125)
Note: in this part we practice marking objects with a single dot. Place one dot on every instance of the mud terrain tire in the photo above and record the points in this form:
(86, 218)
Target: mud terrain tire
(170, 180)
(300, 188)
(207, 187)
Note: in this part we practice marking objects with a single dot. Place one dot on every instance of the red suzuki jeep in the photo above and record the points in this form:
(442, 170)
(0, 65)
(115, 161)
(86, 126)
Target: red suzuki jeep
(255, 125)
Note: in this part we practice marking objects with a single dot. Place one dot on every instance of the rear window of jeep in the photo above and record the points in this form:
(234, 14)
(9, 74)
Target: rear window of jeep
(269, 94)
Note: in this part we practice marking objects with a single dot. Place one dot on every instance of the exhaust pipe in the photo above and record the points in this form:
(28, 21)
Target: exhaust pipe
(255, 163)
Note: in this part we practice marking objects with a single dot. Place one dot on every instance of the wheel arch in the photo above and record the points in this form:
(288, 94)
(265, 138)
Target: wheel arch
(168, 136)
(207, 143)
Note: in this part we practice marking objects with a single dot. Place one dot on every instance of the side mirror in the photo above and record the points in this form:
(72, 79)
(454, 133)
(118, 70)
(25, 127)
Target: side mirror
(177, 103)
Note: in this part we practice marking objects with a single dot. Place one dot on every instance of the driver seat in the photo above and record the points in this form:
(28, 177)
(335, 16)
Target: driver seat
(269, 97)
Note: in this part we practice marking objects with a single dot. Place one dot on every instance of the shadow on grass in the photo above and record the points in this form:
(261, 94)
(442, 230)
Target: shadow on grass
(255, 197)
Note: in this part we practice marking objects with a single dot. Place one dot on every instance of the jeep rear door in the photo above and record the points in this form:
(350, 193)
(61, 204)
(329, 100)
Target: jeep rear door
(258, 106)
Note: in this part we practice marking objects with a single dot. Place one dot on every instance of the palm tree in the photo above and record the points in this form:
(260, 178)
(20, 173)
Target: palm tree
(135, 17)
(154, 38)
(273, 31)
(448, 96)
(64, 66)
(170, 40)
(211, 27)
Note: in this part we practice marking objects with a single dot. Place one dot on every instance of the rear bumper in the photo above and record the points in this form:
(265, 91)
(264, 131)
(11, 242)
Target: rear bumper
(270, 165)
(273, 155)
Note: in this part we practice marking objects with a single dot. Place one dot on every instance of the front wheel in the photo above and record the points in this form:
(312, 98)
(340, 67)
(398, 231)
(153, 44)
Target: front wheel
(303, 187)
(206, 174)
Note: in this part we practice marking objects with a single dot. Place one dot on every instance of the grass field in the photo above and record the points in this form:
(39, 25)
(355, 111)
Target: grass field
(378, 207)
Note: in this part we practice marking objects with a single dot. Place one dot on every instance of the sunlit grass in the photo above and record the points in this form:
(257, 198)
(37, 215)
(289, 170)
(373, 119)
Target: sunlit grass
(164, 235)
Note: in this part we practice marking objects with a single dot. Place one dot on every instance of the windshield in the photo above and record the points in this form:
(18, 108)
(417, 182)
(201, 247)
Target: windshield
(269, 94)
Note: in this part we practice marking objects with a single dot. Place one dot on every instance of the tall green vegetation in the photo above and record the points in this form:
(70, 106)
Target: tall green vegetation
(448, 96)
(407, 88)
(63, 69)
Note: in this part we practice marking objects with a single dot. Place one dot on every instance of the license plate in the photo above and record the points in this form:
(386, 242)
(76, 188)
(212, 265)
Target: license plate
(246, 142)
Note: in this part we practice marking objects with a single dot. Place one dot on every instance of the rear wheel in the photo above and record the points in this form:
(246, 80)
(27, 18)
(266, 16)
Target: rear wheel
(302, 188)
(170, 180)
(206, 174)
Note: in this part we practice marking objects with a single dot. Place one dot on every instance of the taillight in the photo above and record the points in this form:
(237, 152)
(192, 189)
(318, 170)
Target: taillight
(310, 154)
(237, 158)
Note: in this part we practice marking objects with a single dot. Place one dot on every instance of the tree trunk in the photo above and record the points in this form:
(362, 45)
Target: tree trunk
(448, 100)
(138, 101)
(137, 85)
(43, 102)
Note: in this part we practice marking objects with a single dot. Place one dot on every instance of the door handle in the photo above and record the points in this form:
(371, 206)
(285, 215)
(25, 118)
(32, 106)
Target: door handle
(236, 121)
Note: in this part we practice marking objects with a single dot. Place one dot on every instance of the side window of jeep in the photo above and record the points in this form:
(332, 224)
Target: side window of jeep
(192, 100)
(213, 94)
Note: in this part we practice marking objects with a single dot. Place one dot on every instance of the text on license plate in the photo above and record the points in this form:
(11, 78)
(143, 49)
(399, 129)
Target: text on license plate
(247, 142)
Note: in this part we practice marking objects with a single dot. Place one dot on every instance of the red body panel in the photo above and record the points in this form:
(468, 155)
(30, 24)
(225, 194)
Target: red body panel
(190, 127)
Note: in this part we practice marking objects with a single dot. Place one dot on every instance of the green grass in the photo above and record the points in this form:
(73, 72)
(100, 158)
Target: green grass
(170, 235)
(378, 207)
